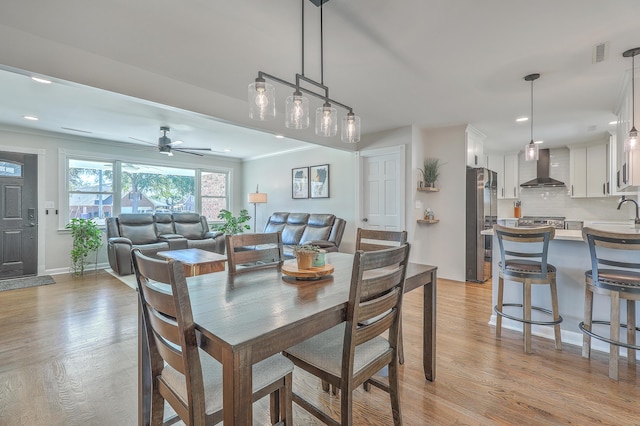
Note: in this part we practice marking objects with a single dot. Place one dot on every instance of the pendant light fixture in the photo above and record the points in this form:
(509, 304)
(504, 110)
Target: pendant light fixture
(631, 142)
(531, 149)
(262, 99)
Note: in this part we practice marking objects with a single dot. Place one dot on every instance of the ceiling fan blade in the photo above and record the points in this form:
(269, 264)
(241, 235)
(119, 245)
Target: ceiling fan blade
(195, 149)
(143, 141)
(187, 152)
(174, 143)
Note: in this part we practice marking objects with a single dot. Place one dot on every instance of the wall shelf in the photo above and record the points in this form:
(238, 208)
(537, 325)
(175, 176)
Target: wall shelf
(428, 222)
(428, 189)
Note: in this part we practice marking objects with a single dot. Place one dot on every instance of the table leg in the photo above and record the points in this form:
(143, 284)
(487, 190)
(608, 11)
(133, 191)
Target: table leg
(429, 328)
(144, 374)
(237, 388)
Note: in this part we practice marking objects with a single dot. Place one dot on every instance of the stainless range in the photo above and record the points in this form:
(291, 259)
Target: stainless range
(535, 221)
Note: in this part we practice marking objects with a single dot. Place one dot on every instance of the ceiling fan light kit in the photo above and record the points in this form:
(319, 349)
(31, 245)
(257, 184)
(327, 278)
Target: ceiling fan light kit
(262, 99)
(166, 147)
(631, 142)
(531, 149)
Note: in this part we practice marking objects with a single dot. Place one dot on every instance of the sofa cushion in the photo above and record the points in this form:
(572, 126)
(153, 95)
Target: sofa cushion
(139, 228)
(276, 222)
(297, 219)
(164, 223)
(291, 234)
(316, 219)
(188, 225)
(313, 233)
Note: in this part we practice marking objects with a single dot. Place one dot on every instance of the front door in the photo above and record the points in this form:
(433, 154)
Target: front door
(18, 214)
(382, 197)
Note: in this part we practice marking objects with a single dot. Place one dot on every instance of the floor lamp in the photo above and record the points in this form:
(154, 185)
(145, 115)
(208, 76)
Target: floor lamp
(256, 198)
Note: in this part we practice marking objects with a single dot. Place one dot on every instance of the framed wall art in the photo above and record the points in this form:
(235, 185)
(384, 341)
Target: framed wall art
(319, 181)
(300, 182)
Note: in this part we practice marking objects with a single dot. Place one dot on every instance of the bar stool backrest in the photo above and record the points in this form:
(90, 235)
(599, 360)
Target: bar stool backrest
(602, 247)
(524, 243)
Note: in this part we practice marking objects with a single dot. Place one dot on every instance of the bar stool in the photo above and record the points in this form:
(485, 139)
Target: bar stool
(517, 247)
(620, 282)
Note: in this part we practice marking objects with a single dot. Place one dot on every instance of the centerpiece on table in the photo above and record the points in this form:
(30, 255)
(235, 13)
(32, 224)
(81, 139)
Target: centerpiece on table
(309, 256)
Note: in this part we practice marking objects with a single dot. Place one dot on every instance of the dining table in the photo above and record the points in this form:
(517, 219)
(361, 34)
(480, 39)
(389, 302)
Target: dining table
(246, 317)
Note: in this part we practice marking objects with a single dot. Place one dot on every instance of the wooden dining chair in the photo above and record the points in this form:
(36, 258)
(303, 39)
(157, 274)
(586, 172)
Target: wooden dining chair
(374, 239)
(351, 353)
(246, 252)
(183, 375)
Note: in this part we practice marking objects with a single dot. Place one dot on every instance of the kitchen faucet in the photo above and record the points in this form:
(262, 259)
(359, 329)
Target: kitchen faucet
(623, 200)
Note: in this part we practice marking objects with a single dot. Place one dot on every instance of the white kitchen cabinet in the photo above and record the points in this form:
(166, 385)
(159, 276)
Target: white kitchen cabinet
(475, 147)
(506, 168)
(589, 171)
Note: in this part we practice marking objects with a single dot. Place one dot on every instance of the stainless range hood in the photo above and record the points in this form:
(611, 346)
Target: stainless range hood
(542, 179)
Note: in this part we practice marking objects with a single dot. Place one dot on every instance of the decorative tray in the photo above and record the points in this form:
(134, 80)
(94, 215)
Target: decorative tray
(317, 272)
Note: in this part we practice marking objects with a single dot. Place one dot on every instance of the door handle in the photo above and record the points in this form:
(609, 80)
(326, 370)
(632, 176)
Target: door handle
(30, 225)
(365, 220)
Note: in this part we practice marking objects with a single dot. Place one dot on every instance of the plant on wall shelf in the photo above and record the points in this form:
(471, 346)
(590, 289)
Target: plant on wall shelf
(430, 171)
(87, 238)
(232, 225)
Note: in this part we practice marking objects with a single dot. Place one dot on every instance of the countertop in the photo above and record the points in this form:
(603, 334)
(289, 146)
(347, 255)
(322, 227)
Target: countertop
(576, 235)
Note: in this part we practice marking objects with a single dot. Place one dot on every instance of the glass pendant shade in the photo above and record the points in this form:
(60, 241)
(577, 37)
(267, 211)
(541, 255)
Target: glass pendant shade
(262, 100)
(351, 128)
(531, 152)
(631, 142)
(326, 121)
(297, 111)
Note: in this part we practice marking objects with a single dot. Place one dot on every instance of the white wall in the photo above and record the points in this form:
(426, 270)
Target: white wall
(442, 244)
(273, 174)
(57, 243)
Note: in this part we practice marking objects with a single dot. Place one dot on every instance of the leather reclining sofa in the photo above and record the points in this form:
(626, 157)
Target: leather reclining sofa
(322, 230)
(152, 233)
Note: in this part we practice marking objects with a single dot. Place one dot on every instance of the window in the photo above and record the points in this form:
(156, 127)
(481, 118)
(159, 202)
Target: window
(150, 189)
(98, 189)
(90, 189)
(214, 194)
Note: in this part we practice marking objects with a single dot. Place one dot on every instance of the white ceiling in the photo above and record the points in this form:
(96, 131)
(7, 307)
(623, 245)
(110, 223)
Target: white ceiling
(427, 63)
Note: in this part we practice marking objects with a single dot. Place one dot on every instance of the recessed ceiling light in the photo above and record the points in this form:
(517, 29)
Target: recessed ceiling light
(30, 117)
(227, 150)
(41, 80)
(280, 136)
(521, 119)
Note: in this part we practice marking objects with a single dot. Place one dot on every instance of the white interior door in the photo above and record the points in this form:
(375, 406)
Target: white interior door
(382, 203)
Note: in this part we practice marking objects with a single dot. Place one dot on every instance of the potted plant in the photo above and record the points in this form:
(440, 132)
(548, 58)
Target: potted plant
(430, 171)
(306, 255)
(233, 225)
(87, 238)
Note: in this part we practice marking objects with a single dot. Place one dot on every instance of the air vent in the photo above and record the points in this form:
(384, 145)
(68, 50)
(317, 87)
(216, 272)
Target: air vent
(599, 52)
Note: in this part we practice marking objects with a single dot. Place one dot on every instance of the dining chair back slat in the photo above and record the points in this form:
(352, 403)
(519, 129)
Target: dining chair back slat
(374, 239)
(246, 252)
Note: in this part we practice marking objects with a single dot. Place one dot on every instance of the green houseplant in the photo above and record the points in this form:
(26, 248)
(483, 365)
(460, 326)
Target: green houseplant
(232, 224)
(306, 255)
(430, 171)
(87, 238)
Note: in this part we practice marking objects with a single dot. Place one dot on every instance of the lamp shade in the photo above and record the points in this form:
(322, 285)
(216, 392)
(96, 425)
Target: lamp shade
(262, 100)
(297, 111)
(326, 121)
(257, 197)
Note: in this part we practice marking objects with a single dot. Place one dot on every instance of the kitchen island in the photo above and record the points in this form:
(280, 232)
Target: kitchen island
(570, 255)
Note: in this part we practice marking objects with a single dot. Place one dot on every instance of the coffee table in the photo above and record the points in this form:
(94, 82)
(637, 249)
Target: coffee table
(196, 261)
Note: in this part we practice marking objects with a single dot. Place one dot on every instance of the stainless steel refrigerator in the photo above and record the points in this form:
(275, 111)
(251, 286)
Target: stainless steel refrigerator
(482, 211)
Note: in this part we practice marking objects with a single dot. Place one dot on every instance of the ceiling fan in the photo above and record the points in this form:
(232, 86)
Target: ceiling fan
(165, 146)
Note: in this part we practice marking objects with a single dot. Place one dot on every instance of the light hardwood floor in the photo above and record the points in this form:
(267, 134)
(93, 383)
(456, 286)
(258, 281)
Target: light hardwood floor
(68, 357)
